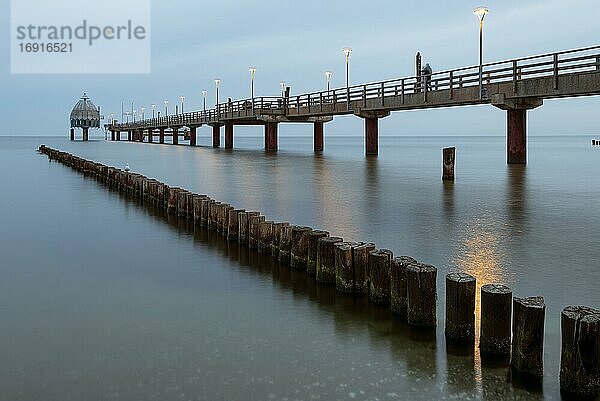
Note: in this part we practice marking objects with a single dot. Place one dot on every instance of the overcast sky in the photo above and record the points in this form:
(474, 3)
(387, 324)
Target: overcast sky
(194, 42)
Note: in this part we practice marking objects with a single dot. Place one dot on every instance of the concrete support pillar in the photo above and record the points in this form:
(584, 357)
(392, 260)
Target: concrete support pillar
(72, 134)
(318, 136)
(371, 136)
(86, 133)
(118, 135)
(228, 136)
(516, 124)
(271, 136)
(216, 136)
(516, 136)
(129, 136)
(193, 135)
(161, 135)
(112, 135)
(175, 135)
(151, 135)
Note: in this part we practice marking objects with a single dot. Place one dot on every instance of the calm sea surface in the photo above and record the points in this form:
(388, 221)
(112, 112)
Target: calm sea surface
(103, 298)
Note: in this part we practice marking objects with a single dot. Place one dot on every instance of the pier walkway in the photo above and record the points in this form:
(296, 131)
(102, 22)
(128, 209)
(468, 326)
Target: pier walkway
(515, 85)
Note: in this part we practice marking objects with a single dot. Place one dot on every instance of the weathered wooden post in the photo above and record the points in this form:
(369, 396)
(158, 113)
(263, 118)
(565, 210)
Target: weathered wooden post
(449, 156)
(243, 233)
(190, 205)
(421, 294)
(528, 336)
(299, 247)
(326, 259)
(311, 258)
(224, 219)
(197, 202)
(253, 232)
(580, 356)
(265, 237)
(360, 264)
(398, 284)
(206, 206)
(344, 267)
(212, 215)
(460, 307)
(379, 276)
(277, 227)
(285, 244)
(233, 224)
(496, 312)
(172, 202)
(217, 213)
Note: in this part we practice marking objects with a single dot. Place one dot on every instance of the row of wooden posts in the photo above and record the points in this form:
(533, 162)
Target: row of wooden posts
(407, 286)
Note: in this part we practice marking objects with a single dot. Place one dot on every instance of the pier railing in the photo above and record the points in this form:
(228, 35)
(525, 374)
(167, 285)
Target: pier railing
(342, 100)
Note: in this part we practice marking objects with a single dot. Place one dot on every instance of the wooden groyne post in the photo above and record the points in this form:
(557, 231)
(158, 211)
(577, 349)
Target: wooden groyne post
(379, 276)
(448, 162)
(580, 354)
(528, 336)
(421, 293)
(460, 307)
(496, 312)
(398, 300)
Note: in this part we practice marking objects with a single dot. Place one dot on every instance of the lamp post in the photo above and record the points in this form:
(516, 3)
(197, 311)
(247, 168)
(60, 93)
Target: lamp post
(143, 115)
(204, 96)
(328, 75)
(182, 98)
(153, 110)
(112, 118)
(217, 86)
(166, 102)
(252, 72)
(127, 116)
(134, 111)
(347, 51)
(480, 12)
(282, 84)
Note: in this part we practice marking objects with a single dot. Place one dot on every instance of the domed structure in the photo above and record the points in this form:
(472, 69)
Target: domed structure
(85, 115)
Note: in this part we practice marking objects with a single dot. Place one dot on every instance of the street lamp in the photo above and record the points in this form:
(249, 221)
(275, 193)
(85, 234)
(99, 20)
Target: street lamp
(252, 72)
(204, 96)
(134, 111)
(282, 84)
(347, 51)
(217, 85)
(143, 109)
(153, 109)
(166, 102)
(127, 116)
(112, 118)
(480, 12)
(328, 75)
(182, 98)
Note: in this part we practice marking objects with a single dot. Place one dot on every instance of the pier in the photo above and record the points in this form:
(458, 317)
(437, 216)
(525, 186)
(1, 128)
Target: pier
(515, 86)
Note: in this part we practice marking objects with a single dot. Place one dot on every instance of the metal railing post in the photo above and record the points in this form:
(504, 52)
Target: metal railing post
(402, 88)
(382, 94)
(555, 70)
(515, 77)
(451, 84)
